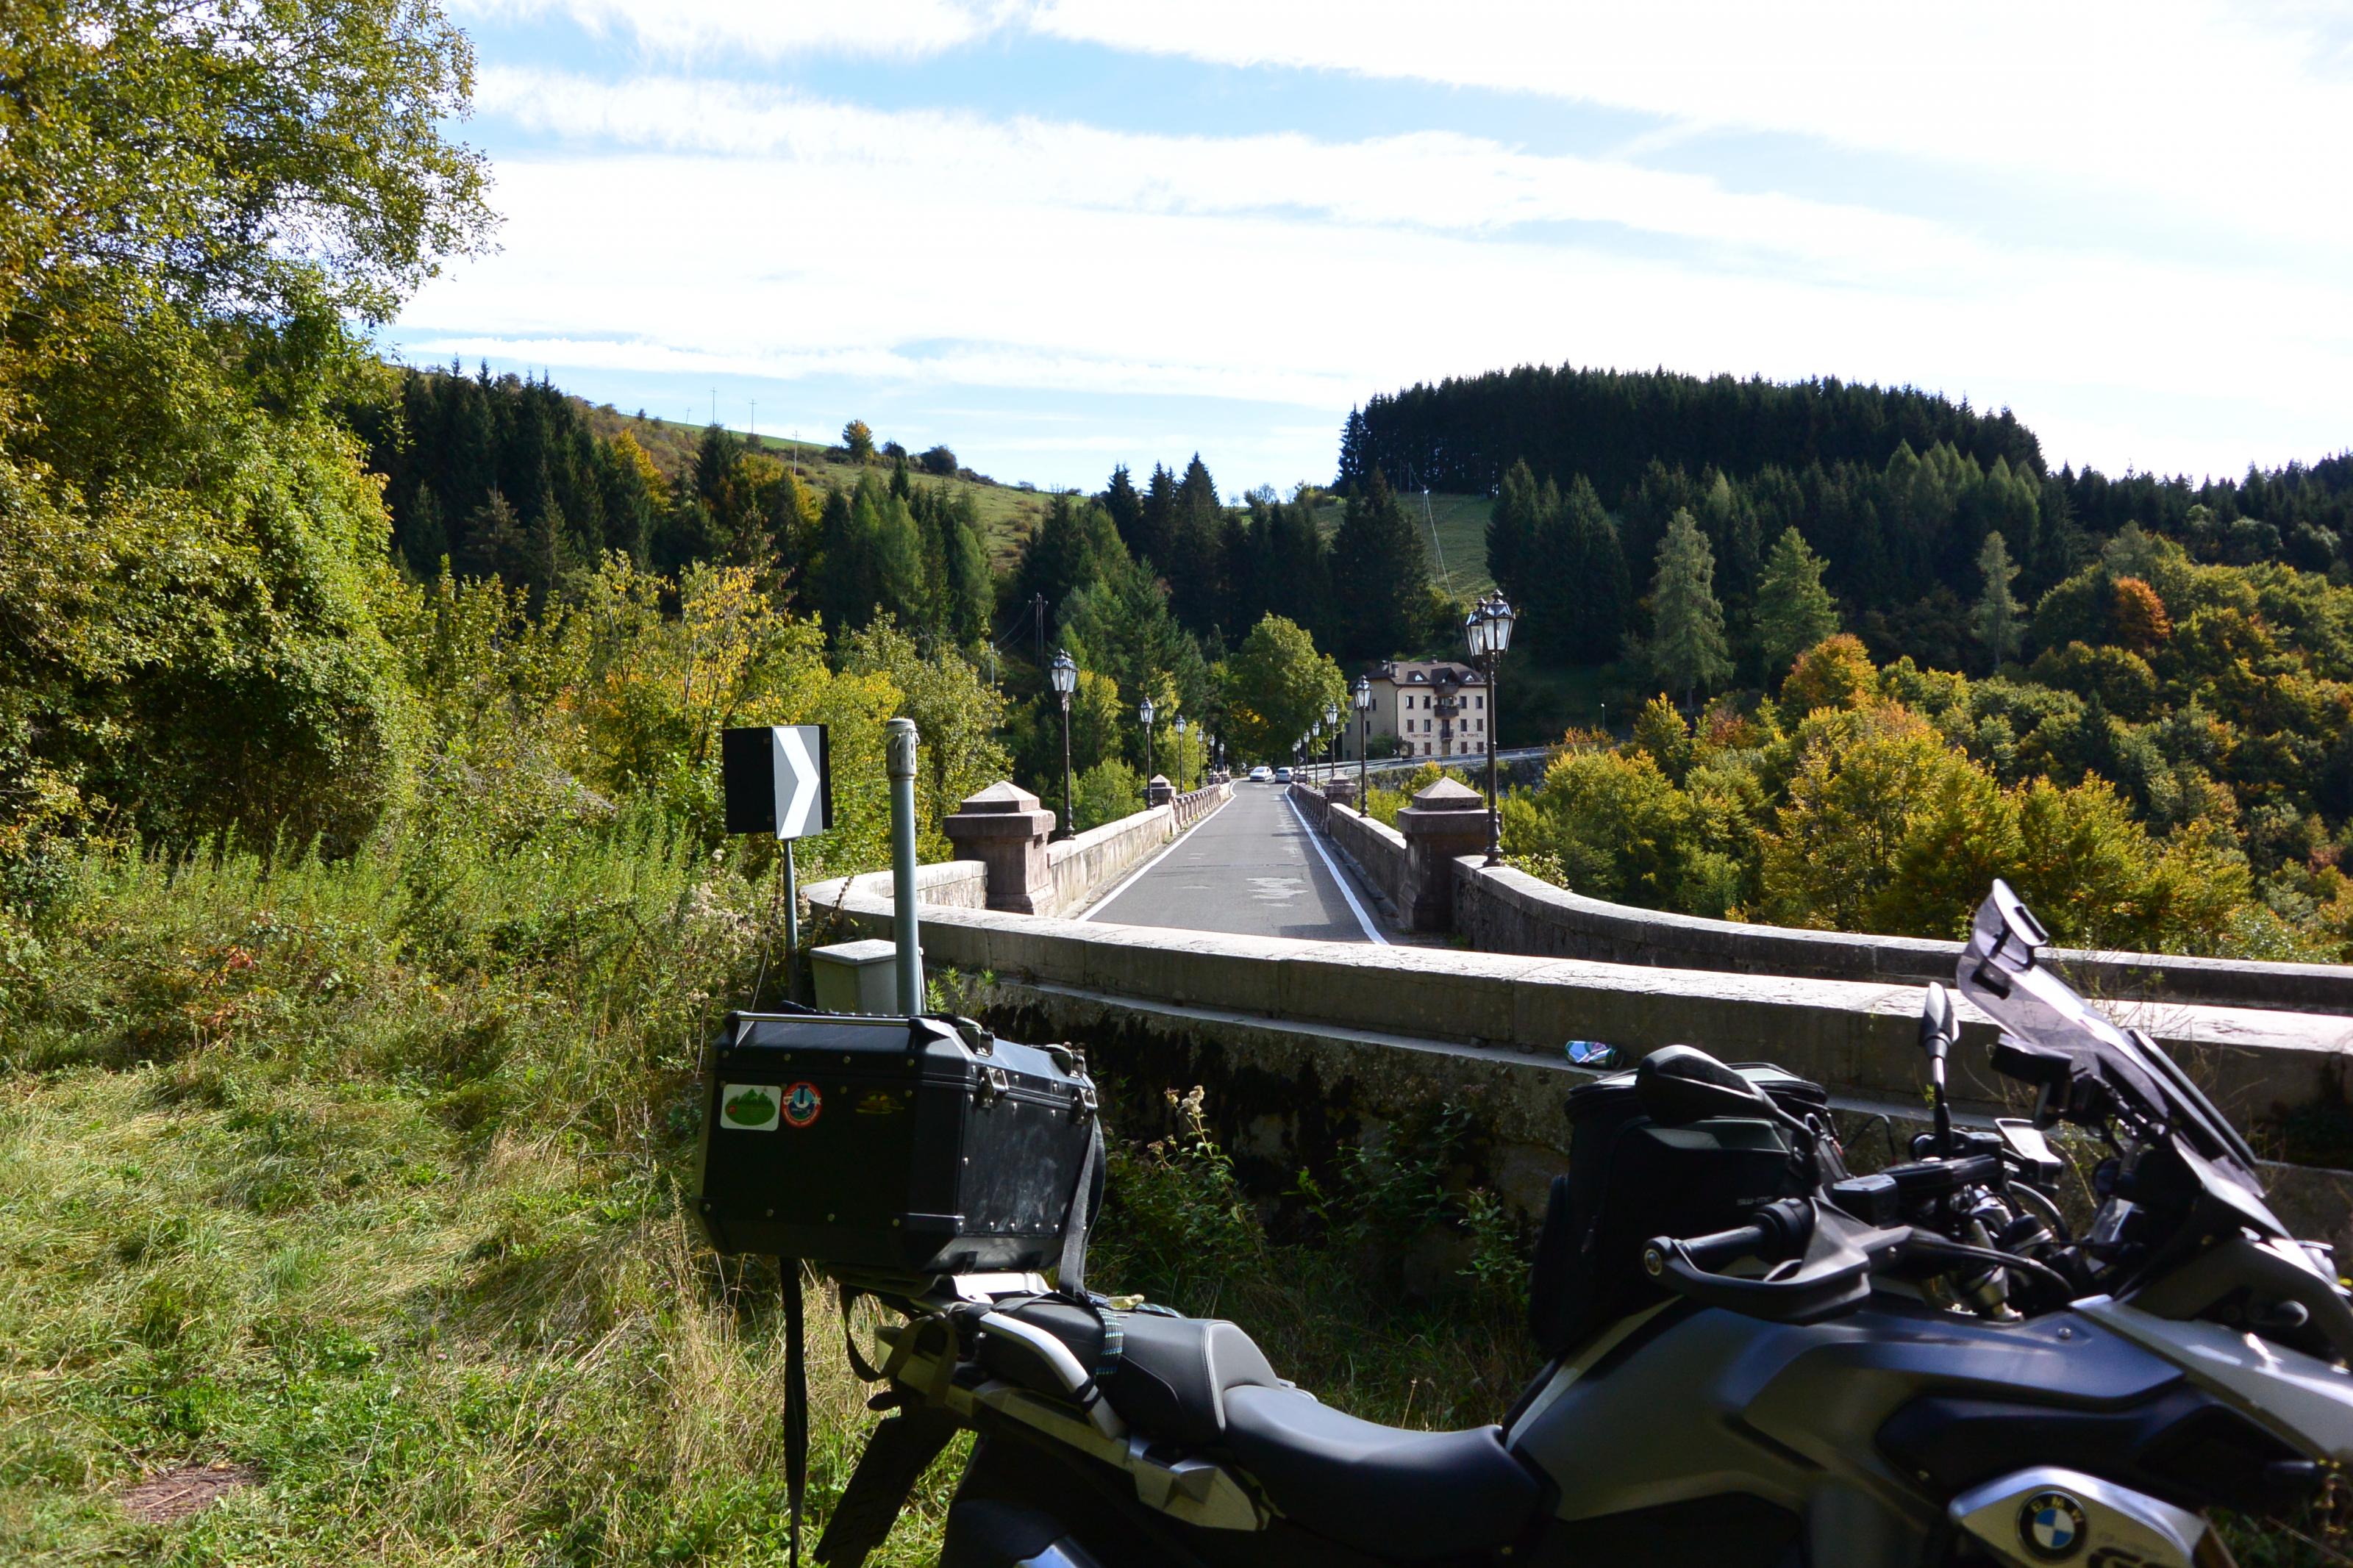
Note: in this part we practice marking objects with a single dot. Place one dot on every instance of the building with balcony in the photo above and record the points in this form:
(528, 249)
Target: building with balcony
(1434, 707)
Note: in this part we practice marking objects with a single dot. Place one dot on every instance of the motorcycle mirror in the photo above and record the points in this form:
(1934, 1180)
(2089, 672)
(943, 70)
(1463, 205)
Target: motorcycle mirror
(1681, 1084)
(1938, 1027)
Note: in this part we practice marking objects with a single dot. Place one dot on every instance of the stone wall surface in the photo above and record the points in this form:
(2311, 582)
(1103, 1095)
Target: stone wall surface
(1503, 910)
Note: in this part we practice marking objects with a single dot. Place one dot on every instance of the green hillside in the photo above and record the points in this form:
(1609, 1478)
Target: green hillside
(1007, 513)
(1454, 526)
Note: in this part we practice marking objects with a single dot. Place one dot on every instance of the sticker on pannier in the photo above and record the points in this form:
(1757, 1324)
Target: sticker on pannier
(748, 1107)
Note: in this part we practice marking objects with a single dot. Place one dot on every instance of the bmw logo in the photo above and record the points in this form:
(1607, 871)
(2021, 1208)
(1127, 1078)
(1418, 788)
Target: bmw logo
(2052, 1526)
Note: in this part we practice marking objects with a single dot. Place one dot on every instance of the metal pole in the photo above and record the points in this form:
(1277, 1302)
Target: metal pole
(792, 927)
(900, 741)
(1363, 744)
(1494, 819)
(1070, 824)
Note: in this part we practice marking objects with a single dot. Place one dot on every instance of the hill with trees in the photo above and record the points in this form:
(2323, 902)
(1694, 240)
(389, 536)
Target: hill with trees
(1926, 668)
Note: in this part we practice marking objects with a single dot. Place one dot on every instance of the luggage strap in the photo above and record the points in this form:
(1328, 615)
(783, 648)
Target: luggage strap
(795, 1407)
(1086, 1197)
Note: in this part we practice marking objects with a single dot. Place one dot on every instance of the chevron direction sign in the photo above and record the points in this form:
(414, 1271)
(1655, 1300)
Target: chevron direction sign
(778, 779)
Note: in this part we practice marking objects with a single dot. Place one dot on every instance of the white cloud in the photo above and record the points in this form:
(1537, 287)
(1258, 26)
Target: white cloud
(785, 235)
(2229, 108)
(762, 29)
(1435, 180)
(2239, 112)
(829, 262)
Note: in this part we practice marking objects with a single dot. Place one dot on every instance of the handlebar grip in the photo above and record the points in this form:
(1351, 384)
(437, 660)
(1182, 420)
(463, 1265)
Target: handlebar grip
(1712, 1252)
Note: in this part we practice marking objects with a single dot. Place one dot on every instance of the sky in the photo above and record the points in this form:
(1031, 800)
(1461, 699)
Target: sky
(1058, 235)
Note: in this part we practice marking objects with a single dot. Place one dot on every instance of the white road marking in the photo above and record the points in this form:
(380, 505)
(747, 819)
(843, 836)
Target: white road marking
(1372, 932)
(1105, 902)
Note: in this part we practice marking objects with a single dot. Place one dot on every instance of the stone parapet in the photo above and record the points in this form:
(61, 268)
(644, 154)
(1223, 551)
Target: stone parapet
(1504, 911)
(1857, 1038)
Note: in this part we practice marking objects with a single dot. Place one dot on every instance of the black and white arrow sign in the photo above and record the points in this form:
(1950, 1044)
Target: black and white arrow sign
(778, 779)
(803, 783)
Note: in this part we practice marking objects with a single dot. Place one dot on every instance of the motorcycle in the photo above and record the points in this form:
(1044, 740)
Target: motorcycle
(1758, 1359)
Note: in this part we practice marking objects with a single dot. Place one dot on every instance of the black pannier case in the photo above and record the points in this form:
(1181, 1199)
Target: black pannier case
(909, 1145)
(1629, 1180)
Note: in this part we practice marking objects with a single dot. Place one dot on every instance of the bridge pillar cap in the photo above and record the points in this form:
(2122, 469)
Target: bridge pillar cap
(1004, 795)
(1449, 794)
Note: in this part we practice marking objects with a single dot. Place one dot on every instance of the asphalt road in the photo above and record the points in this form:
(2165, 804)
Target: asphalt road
(1252, 870)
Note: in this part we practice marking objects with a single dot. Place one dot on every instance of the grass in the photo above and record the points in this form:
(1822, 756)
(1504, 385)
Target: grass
(367, 1176)
(1453, 528)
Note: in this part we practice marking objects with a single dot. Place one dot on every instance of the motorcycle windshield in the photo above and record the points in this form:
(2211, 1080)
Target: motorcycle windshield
(1999, 972)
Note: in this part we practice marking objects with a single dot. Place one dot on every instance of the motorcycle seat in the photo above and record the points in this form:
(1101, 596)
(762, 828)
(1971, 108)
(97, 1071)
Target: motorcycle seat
(1381, 1489)
(1171, 1376)
(1398, 1494)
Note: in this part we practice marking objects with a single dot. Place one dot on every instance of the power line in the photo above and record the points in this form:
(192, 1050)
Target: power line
(1434, 544)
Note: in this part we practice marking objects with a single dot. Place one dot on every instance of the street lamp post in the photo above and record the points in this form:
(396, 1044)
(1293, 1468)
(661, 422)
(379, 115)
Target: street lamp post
(1144, 711)
(1314, 743)
(1364, 700)
(1332, 728)
(1488, 630)
(1065, 674)
(1180, 753)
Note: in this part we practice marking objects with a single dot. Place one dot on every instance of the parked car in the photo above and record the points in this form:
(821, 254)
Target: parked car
(1262, 774)
(1282, 776)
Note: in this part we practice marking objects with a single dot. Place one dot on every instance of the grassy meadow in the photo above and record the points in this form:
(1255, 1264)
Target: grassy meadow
(365, 1178)
(1453, 528)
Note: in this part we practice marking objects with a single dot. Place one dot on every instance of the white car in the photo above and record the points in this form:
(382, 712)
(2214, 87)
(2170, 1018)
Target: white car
(1282, 776)
(1262, 774)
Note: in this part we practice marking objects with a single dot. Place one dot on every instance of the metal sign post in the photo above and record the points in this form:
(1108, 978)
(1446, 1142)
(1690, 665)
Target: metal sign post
(779, 779)
(898, 739)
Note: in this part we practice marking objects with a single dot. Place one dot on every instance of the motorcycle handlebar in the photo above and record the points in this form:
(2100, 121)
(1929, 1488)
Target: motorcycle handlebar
(1780, 1231)
(1712, 1252)
(1830, 1255)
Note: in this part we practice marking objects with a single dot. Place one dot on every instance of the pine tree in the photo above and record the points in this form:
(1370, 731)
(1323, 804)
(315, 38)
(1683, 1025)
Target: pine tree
(1121, 499)
(897, 555)
(1511, 527)
(1793, 609)
(1687, 650)
(492, 544)
(1576, 578)
(1380, 573)
(1996, 617)
(1155, 530)
(1356, 444)
(424, 541)
(1194, 565)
